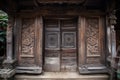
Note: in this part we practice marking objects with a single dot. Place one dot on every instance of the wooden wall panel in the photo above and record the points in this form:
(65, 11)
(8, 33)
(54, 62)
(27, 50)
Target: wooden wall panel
(30, 45)
(91, 45)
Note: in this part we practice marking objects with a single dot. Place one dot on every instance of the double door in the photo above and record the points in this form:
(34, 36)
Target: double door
(60, 45)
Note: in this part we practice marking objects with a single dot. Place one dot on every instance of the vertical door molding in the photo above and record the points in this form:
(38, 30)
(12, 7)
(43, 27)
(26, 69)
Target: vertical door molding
(39, 40)
(81, 42)
(17, 37)
(102, 42)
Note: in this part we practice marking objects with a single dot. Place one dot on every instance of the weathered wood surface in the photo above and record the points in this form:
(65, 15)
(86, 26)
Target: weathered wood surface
(60, 1)
(29, 44)
(91, 52)
(60, 45)
(90, 42)
(31, 4)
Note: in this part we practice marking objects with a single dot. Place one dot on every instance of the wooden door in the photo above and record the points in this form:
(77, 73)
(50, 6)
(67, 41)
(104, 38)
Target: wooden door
(60, 45)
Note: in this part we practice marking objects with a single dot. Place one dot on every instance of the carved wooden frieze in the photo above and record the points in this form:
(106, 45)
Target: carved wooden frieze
(92, 40)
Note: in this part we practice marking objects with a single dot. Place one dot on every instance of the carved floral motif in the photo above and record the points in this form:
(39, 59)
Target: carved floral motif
(28, 36)
(92, 36)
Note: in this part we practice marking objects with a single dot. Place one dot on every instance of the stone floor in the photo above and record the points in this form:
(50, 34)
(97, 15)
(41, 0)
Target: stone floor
(62, 76)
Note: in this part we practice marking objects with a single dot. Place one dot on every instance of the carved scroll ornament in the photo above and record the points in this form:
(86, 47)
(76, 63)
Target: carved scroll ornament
(92, 37)
(28, 37)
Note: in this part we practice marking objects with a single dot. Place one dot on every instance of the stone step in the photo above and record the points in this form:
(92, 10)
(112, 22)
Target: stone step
(62, 76)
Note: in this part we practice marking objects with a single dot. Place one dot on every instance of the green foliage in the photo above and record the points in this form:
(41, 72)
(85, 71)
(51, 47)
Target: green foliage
(2, 34)
(3, 21)
(3, 26)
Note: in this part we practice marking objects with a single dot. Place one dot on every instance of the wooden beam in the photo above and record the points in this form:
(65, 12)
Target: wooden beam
(60, 1)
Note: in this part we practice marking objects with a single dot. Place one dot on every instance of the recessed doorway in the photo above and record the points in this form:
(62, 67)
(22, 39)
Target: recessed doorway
(60, 45)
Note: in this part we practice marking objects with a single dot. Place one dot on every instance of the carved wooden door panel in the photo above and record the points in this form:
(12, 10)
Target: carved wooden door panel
(30, 46)
(27, 43)
(60, 45)
(92, 45)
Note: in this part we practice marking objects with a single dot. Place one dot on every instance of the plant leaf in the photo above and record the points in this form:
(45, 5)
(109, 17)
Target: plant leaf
(2, 40)
(2, 33)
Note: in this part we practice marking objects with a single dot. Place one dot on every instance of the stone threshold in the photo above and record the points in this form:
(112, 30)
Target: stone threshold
(62, 76)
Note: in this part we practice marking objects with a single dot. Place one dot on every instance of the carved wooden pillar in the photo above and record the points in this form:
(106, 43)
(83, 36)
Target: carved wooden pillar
(9, 37)
(108, 40)
(112, 55)
(113, 41)
(8, 65)
(112, 22)
(111, 36)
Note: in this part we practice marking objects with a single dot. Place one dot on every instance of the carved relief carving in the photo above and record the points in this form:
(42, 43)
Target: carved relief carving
(52, 40)
(27, 43)
(69, 39)
(92, 36)
(28, 35)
